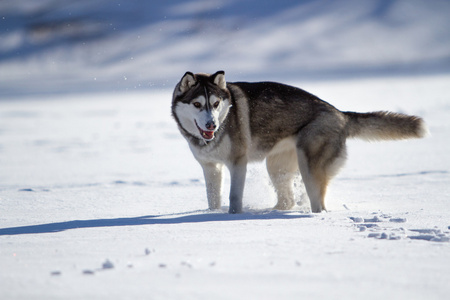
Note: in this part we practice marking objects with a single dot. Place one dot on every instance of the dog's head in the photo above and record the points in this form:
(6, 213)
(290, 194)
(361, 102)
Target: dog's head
(201, 103)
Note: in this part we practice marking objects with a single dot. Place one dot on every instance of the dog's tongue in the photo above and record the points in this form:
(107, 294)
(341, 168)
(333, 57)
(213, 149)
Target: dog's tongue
(209, 135)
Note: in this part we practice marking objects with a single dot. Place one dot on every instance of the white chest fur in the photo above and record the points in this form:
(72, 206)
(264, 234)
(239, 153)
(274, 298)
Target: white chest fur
(213, 153)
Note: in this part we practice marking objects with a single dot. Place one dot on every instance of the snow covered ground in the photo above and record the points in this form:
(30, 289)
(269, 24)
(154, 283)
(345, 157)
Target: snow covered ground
(100, 198)
(110, 45)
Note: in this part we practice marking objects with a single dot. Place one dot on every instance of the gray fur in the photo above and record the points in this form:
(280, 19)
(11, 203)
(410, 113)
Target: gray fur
(289, 127)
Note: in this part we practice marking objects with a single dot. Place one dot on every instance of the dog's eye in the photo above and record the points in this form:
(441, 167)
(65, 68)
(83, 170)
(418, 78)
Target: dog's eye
(197, 104)
(216, 104)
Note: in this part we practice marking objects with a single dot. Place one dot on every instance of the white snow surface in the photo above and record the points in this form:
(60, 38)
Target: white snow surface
(100, 198)
(110, 45)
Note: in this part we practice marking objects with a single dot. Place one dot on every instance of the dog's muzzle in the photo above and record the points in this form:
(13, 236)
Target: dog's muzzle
(208, 135)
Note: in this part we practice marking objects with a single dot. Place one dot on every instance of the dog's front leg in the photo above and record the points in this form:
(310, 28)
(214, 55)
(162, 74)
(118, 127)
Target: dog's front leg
(213, 180)
(238, 171)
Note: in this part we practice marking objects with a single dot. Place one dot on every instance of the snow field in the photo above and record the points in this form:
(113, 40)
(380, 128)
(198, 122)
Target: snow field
(96, 45)
(100, 198)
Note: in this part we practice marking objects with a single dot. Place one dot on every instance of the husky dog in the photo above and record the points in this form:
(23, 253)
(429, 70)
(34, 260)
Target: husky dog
(232, 124)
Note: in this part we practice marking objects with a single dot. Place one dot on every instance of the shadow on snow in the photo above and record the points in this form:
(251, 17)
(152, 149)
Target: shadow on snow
(148, 220)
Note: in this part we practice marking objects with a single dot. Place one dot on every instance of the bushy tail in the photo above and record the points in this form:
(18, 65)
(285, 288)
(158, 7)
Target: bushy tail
(382, 125)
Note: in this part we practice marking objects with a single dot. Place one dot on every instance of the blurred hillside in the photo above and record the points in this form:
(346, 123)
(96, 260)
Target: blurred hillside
(62, 46)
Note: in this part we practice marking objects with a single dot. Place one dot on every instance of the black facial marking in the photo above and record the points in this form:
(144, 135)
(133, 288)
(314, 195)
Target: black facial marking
(207, 99)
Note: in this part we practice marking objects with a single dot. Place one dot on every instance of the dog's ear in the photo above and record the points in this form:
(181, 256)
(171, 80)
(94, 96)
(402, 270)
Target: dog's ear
(187, 82)
(219, 79)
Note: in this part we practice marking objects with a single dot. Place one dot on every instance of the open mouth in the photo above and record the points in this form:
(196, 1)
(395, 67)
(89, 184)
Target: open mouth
(206, 134)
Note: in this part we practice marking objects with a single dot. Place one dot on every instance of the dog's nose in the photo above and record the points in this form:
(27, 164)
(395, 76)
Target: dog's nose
(210, 125)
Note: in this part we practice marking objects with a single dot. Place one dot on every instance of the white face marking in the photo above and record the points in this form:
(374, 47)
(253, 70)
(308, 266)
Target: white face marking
(191, 116)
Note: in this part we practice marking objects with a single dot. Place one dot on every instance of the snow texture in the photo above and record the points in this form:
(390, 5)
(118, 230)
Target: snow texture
(92, 45)
(100, 197)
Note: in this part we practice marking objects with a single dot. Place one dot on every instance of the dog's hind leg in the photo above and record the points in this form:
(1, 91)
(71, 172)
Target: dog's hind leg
(282, 168)
(213, 180)
(315, 183)
(318, 165)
